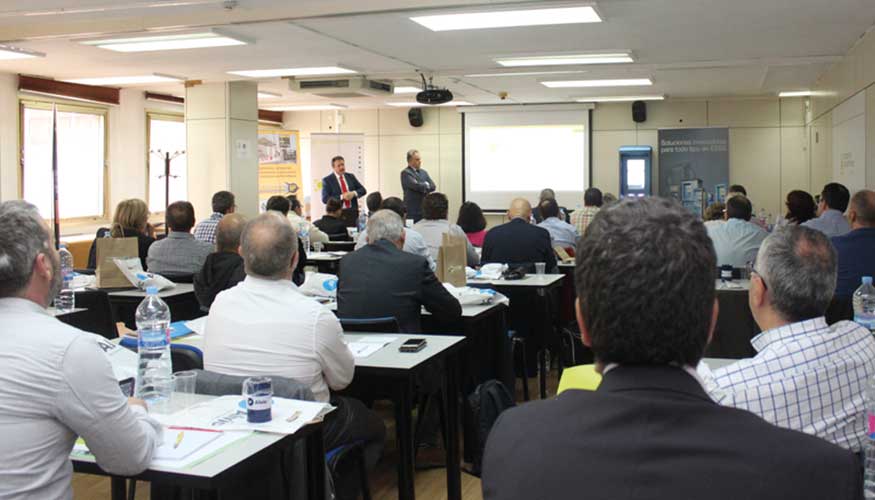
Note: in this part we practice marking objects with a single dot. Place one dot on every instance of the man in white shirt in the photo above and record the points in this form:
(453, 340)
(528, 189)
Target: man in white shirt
(435, 222)
(55, 381)
(413, 243)
(265, 326)
(300, 224)
(737, 240)
(807, 375)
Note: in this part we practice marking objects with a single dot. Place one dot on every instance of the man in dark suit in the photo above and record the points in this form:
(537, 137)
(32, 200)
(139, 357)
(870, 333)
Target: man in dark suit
(345, 187)
(380, 280)
(646, 306)
(416, 184)
(518, 243)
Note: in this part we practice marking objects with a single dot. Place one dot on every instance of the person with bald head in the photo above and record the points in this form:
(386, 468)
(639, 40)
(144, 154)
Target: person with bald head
(856, 250)
(265, 326)
(517, 242)
(223, 269)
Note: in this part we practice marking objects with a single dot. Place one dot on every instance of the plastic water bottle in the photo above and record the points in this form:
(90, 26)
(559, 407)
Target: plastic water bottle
(304, 234)
(362, 222)
(154, 373)
(864, 304)
(869, 445)
(66, 299)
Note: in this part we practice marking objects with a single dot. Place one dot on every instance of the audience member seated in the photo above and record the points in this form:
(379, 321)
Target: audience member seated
(592, 202)
(736, 189)
(800, 207)
(223, 204)
(713, 215)
(380, 280)
(856, 250)
(517, 242)
(737, 240)
(472, 221)
(300, 224)
(373, 202)
(434, 223)
(283, 206)
(264, 326)
(224, 268)
(413, 241)
(562, 233)
(544, 195)
(57, 383)
(332, 222)
(131, 220)
(647, 308)
(178, 254)
(806, 375)
(831, 211)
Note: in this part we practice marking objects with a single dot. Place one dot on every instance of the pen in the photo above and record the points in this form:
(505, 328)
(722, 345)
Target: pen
(178, 439)
(294, 416)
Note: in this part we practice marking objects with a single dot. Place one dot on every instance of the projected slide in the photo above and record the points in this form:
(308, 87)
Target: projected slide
(511, 154)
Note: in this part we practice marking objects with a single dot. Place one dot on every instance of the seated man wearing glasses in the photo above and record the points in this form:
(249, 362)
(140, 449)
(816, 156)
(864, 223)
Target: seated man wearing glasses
(807, 375)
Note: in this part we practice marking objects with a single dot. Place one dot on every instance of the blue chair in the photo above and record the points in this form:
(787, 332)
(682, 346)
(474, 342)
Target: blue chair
(386, 324)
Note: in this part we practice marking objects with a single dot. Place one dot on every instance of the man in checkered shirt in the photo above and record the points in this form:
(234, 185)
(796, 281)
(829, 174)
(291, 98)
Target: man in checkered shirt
(223, 204)
(807, 375)
(592, 203)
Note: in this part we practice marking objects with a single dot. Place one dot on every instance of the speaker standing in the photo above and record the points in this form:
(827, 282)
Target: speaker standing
(416, 184)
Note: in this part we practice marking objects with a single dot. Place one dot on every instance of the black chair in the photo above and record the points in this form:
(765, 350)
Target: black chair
(97, 319)
(180, 278)
(841, 308)
(338, 245)
(185, 357)
(371, 325)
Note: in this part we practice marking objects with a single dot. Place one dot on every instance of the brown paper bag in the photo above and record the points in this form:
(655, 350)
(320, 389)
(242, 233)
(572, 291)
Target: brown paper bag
(107, 273)
(452, 259)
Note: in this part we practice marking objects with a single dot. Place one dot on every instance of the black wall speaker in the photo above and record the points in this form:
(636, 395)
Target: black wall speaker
(639, 111)
(415, 117)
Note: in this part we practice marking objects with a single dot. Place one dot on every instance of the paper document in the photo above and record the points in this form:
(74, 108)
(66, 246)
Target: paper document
(123, 361)
(180, 443)
(365, 346)
(228, 413)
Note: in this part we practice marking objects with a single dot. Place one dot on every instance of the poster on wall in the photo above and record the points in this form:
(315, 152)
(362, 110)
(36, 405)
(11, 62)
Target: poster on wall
(279, 170)
(694, 166)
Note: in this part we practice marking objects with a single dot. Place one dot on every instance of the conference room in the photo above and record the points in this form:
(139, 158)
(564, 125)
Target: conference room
(424, 248)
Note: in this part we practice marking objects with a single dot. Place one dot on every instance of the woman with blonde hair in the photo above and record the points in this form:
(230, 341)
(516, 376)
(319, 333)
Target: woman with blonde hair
(131, 219)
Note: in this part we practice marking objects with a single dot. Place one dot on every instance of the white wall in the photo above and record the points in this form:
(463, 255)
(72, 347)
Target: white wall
(8, 136)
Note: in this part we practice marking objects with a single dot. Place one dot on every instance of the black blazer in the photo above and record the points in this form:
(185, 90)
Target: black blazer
(415, 185)
(332, 226)
(518, 243)
(331, 188)
(143, 244)
(651, 432)
(379, 280)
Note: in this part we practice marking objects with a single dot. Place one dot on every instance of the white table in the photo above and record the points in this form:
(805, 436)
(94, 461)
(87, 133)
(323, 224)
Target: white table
(225, 467)
(468, 311)
(732, 286)
(181, 300)
(531, 280)
(179, 289)
(326, 256)
(395, 371)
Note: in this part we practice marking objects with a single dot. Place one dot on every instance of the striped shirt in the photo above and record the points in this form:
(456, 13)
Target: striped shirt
(581, 218)
(807, 376)
(206, 229)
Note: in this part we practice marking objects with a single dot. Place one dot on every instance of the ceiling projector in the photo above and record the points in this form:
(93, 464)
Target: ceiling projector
(432, 95)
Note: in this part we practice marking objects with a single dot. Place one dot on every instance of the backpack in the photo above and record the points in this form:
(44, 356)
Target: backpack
(485, 404)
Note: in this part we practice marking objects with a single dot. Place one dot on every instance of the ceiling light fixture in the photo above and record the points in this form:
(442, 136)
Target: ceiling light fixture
(407, 90)
(200, 40)
(563, 60)
(524, 73)
(309, 107)
(263, 94)
(621, 98)
(311, 71)
(414, 104)
(509, 18)
(622, 82)
(8, 52)
(796, 93)
(127, 80)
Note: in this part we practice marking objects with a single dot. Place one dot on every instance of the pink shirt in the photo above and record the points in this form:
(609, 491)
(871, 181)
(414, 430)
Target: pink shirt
(476, 239)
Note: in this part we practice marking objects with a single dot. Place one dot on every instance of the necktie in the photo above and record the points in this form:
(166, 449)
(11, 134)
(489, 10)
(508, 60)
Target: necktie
(344, 190)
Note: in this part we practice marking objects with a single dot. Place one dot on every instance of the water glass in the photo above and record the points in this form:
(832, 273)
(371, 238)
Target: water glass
(258, 392)
(317, 246)
(540, 268)
(184, 384)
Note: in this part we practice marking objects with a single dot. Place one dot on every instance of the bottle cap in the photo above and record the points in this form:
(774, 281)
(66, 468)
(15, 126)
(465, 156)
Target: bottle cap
(867, 280)
(151, 290)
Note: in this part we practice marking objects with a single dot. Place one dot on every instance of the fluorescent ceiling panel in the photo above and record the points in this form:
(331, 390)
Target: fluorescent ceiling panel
(612, 58)
(414, 104)
(407, 90)
(314, 107)
(8, 52)
(126, 80)
(311, 71)
(621, 98)
(199, 40)
(623, 82)
(509, 18)
(796, 93)
(523, 73)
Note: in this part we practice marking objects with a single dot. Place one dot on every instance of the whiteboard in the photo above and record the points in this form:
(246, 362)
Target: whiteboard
(849, 143)
(324, 147)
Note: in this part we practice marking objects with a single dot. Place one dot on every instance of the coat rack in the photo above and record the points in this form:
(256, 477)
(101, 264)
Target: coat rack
(167, 157)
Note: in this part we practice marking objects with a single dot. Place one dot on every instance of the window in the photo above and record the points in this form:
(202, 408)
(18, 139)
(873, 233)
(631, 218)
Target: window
(166, 135)
(81, 143)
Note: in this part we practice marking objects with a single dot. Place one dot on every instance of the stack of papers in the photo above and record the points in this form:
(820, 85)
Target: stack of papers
(365, 346)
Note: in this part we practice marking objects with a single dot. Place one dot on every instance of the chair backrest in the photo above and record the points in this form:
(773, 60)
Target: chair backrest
(217, 384)
(97, 319)
(180, 278)
(372, 325)
(185, 357)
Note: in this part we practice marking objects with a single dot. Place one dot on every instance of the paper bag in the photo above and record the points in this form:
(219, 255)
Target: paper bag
(452, 259)
(108, 274)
